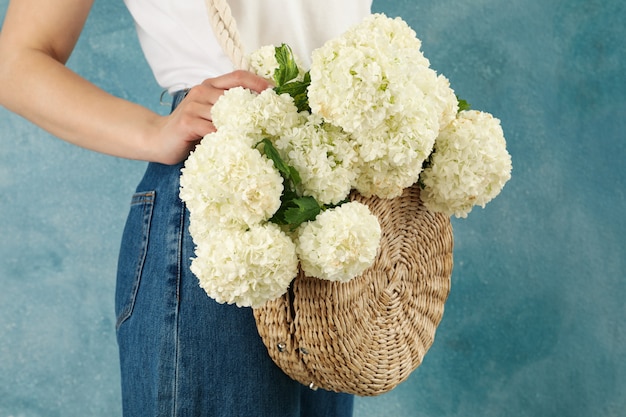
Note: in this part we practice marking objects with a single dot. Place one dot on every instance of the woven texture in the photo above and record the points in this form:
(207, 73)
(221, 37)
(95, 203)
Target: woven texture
(366, 336)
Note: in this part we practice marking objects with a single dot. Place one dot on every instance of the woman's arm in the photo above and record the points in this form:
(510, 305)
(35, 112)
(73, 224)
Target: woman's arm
(38, 37)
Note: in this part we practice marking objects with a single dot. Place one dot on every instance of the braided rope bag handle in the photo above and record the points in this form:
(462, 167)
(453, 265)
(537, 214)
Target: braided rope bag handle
(225, 29)
(365, 336)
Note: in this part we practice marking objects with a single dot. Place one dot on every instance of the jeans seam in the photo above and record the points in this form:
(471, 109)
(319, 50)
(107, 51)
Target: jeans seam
(146, 201)
(179, 274)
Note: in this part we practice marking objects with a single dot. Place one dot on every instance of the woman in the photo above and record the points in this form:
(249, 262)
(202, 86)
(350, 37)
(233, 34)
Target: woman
(181, 353)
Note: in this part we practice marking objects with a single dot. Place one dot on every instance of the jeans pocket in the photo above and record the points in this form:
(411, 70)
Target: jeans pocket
(133, 251)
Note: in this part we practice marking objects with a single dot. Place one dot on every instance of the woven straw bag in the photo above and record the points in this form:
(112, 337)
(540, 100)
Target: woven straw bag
(367, 335)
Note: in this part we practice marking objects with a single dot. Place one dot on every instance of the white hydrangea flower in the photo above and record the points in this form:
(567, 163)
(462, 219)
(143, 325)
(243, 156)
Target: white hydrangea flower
(324, 156)
(469, 167)
(263, 62)
(226, 182)
(232, 111)
(255, 115)
(375, 83)
(366, 75)
(391, 162)
(245, 267)
(273, 114)
(340, 243)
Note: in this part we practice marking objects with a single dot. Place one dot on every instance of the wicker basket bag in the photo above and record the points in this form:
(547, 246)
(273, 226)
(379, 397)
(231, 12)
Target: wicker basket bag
(367, 335)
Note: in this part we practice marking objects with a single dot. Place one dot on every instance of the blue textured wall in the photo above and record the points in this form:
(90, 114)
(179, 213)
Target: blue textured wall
(536, 321)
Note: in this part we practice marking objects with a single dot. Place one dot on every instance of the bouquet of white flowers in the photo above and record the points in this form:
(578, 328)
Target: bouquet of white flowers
(268, 191)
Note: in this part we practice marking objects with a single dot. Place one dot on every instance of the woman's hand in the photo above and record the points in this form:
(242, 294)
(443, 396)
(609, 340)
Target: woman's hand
(177, 134)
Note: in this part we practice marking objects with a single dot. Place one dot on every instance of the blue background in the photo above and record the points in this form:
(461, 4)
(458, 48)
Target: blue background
(535, 323)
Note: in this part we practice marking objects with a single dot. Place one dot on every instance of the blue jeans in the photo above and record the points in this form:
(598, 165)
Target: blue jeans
(181, 353)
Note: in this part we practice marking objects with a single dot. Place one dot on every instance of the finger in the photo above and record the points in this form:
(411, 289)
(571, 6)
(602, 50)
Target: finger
(200, 127)
(192, 120)
(240, 78)
(204, 94)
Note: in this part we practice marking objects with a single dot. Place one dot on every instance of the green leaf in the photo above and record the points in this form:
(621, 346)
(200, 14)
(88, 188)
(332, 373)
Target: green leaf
(287, 68)
(307, 209)
(293, 88)
(285, 199)
(463, 105)
(287, 171)
(298, 91)
(296, 210)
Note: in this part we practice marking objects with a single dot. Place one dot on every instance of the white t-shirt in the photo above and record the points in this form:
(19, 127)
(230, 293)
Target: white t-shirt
(179, 45)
